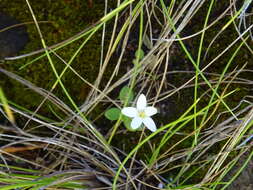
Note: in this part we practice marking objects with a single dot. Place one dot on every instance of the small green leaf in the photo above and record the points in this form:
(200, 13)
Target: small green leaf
(112, 114)
(139, 53)
(126, 94)
(127, 122)
(135, 61)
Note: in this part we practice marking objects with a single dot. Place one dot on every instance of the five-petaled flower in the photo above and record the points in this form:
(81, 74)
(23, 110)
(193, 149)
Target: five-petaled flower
(141, 114)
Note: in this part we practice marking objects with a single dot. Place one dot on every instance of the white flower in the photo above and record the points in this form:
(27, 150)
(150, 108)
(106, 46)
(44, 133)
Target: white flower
(141, 114)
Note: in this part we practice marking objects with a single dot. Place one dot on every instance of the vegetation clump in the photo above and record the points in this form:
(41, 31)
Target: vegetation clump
(72, 105)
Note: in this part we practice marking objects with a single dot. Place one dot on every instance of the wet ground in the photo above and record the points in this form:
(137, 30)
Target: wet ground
(13, 36)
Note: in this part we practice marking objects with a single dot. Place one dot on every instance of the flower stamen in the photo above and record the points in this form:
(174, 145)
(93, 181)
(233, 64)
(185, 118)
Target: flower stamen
(142, 114)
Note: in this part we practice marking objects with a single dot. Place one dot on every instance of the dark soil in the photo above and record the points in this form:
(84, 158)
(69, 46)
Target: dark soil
(245, 180)
(13, 37)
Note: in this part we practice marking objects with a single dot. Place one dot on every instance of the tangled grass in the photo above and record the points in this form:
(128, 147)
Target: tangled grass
(72, 150)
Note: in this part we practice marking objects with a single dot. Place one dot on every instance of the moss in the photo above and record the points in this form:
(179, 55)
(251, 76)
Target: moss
(64, 19)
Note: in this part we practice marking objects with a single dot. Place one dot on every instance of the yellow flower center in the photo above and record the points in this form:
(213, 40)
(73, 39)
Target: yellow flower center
(141, 114)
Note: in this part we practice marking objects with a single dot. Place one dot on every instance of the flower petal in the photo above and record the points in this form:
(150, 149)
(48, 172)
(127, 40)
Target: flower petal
(150, 124)
(129, 111)
(149, 111)
(136, 122)
(141, 102)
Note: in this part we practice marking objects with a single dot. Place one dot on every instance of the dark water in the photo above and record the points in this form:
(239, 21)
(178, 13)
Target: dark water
(12, 38)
